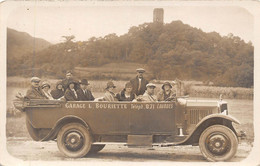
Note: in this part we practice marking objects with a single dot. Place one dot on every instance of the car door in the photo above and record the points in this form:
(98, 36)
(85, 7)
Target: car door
(152, 118)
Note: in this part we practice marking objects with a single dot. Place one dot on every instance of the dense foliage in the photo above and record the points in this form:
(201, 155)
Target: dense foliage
(173, 50)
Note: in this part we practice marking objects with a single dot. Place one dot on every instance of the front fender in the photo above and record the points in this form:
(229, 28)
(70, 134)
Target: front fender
(227, 117)
(62, 121)
(207, 121)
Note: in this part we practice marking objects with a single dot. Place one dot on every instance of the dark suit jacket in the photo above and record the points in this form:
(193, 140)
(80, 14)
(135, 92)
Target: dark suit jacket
(70, 96)
(85, 96)
(135, 84)
(35, 93)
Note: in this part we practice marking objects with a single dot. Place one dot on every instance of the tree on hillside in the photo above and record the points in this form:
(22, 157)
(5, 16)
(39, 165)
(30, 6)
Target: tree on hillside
(68, 39)
(171, 50)
(238, 76)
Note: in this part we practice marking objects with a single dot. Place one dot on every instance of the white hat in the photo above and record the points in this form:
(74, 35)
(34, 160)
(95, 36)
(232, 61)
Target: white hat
(151, 85)
(35, 79)
(45, 84)
(140, 70)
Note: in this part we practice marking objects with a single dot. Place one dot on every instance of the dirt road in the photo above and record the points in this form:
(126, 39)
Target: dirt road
(26, 149)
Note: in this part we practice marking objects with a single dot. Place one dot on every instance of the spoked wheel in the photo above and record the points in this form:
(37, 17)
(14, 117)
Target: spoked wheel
(74, 140)
(218, 143)
(96, 148)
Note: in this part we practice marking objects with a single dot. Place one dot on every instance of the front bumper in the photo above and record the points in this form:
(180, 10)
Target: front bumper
(241, 135)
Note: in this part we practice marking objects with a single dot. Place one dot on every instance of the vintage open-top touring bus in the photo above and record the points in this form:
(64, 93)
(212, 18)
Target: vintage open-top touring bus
(82, 127)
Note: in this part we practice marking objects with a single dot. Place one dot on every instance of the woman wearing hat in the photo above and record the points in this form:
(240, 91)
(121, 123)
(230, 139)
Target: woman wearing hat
(126, 94)
(59, 91)
(110, 95)
(166, 94)
(70, 93)
(45, 89)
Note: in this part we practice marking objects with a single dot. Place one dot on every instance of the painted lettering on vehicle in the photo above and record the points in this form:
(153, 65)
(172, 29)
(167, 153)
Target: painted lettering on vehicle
(75, 105)
(120, 106)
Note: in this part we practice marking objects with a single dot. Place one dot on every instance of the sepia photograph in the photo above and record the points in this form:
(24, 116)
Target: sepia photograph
(125, 81)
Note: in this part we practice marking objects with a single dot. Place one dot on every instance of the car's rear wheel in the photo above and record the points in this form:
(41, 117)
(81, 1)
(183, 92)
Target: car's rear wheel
(218, 143)
(74, 140)
(96, 148)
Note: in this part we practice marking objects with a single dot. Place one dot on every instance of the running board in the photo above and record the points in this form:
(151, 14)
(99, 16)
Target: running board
(109, 143)
(125, 144)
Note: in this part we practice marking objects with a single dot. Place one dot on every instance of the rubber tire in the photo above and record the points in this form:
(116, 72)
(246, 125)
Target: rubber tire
(87, 141)
(96, 148)
(225, 130)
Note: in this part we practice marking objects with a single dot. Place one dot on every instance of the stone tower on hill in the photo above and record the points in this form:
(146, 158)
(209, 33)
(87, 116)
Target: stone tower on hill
(158, 15)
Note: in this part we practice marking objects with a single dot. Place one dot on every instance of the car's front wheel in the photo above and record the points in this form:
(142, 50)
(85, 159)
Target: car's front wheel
(74, 140)
(218, 143)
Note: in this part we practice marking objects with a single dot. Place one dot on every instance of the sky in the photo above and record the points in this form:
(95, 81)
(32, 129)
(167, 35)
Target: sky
(84, 22)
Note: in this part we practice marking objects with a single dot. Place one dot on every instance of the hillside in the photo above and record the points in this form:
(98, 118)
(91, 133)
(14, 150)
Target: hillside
(173, 50)
(20, 45)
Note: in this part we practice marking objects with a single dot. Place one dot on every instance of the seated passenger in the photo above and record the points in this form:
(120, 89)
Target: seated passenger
(127, 93)
(58, 93)
(83, 93)
(148, 94)
(110, 95)
(70, 93)
(35, 92)
(166, 94)
(45, 89)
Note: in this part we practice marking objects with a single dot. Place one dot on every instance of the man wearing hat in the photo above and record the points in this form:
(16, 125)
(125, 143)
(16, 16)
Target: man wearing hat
(139, 82)
(69, 78)
(149, 93)
(35, 92)
(83, 93)
(110, 94)
(166, 94)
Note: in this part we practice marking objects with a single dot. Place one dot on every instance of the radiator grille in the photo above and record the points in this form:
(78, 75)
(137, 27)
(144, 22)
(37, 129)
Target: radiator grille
(197, 114)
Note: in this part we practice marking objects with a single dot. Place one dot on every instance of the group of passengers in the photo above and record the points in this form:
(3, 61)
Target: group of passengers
(137, 89)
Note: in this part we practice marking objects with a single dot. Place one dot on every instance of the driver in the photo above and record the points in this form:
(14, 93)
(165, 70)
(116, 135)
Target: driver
(148, 94)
